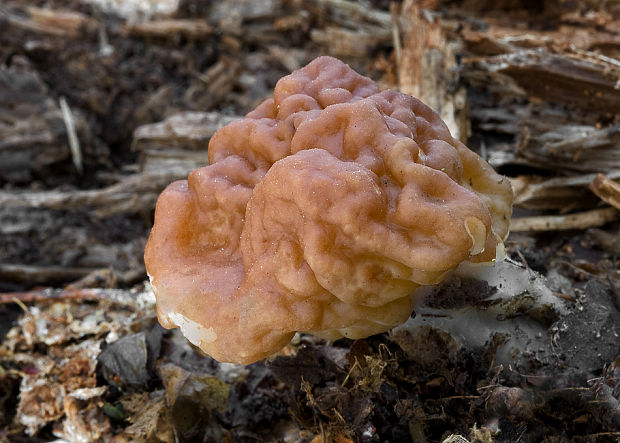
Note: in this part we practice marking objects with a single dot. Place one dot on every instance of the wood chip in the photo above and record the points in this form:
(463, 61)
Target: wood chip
(606, 189)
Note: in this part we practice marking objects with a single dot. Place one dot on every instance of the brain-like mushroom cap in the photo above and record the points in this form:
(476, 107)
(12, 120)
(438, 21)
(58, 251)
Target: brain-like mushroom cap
(321, 211)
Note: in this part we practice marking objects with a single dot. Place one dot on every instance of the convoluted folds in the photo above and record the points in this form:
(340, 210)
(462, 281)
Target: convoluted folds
(321, 211)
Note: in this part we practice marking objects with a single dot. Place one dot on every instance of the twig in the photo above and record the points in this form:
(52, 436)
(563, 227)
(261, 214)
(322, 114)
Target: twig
(339, 416)
(578, 269)
(581, 220)
(353, 366)
(74, 143)
(21, 304)
(596, 55)
(34, 274)
(48, 294)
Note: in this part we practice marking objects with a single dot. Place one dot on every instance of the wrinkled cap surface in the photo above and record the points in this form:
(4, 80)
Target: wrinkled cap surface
(322, 211)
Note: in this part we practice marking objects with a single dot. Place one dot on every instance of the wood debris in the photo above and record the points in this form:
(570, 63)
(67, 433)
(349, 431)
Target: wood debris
(606, 189)
(579, 220)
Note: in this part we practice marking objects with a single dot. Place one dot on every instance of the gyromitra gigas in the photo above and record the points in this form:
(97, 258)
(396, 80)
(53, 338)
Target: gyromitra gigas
(321, 211)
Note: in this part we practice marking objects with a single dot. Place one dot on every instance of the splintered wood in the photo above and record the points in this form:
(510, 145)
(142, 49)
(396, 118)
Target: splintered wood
(537, 100)
(428, 67)
(547, 103)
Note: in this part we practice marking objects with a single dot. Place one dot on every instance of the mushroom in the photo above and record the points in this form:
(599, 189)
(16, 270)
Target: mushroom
(322, 211)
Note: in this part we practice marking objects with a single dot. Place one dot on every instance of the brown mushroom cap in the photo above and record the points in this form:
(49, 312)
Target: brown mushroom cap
(321, 211)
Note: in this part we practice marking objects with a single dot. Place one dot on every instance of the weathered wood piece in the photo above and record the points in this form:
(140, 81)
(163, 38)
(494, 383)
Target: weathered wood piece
(185, 130)
(606, 189)
(352, 29)
(548, 100)
(547, 133)
(428, 68)
(581, 220)
(534, 192)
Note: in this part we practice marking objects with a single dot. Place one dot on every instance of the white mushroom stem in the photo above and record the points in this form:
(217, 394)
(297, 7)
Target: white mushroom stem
(508, 308)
